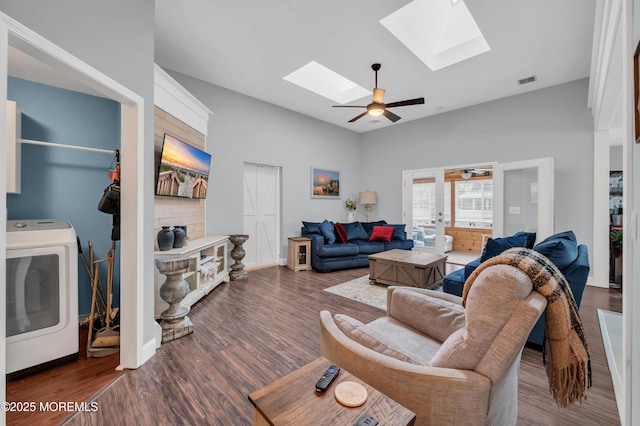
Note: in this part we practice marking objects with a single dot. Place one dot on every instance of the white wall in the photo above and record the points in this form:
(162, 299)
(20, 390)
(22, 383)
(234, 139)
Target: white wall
(552, 122)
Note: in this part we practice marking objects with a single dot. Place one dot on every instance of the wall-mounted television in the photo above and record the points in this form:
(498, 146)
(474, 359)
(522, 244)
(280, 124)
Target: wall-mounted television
(183, 170)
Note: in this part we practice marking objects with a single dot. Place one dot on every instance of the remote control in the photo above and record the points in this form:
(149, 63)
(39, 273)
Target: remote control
(366, 420)
(327, 378)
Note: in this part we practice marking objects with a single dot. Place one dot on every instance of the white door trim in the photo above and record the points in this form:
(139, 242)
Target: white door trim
(136, 201)
(546, 213)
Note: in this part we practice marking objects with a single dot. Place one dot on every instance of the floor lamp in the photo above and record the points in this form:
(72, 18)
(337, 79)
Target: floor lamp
(367, 199)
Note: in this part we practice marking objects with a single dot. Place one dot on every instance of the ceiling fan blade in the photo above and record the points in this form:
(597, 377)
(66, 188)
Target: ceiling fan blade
(378, 94)
(391, 116)
(349, 106)
(416, 101)
(358, 117)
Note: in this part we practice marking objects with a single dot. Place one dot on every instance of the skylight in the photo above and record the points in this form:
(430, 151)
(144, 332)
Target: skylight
(439, 32)
(325, 82)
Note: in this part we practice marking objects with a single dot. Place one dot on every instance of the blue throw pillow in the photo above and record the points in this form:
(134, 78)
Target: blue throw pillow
(312, 227)
(531, 238)
(368, 226)
(355, 231)
(566, 235)
(329, 234)
(398, 232)
(495, 246)
(561, 249)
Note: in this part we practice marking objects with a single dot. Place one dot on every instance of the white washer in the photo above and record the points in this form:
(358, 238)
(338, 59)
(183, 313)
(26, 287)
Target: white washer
(42, 295)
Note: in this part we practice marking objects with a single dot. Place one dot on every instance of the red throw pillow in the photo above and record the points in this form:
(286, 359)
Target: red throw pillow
(381, 233)
(342, 234)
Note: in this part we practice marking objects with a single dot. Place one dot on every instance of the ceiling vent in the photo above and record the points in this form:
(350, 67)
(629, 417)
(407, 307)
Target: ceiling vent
(527, 80)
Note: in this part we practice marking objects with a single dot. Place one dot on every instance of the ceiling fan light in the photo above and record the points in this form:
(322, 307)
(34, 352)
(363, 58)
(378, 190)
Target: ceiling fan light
(375, 110)
(465, 174)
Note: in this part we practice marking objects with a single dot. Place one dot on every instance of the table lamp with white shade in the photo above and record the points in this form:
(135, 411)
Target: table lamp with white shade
(367, 199)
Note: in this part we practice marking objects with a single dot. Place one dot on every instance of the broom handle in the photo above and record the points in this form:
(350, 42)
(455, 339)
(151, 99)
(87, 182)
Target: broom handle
(93, 302)
(109, 278)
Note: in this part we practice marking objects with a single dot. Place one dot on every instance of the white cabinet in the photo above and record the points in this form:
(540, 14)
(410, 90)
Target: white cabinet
(209, 269)
(14, 133)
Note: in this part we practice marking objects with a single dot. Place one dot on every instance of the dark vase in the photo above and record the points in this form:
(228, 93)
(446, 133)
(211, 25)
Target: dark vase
(165, 239)
(179, 233)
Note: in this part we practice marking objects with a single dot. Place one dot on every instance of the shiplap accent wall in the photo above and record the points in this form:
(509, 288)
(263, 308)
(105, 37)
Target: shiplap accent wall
(172, 211)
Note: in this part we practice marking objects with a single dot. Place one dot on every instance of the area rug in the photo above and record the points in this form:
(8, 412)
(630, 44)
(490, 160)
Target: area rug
(361, 291)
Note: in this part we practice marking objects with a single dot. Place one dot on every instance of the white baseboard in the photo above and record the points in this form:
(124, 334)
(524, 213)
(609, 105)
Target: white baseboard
(149, 350)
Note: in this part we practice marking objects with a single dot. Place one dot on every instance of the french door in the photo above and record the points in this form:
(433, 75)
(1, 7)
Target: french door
(423, 200)
(522, 200)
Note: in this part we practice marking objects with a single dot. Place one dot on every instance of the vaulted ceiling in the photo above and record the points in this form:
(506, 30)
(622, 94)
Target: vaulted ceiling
(249, 46)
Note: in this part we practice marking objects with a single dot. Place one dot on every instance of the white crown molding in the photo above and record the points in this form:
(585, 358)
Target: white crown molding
(170, 96)
(606, 66)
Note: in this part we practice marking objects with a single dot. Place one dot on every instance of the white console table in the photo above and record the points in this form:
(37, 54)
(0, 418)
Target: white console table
(209, 269)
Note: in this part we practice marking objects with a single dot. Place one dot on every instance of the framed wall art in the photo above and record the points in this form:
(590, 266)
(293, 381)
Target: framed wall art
(325, 183)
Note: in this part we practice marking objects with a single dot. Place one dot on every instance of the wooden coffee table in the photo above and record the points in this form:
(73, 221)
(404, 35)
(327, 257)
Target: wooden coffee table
(405, 267)
(292, 400)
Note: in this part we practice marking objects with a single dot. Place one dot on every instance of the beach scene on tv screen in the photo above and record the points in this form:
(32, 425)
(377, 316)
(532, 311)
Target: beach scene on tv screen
(184, 170)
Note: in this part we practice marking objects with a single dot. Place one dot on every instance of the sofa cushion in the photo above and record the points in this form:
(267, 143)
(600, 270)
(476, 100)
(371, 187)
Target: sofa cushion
(328, 232)
(470, 267)
(337, 250)
(368, 247)
(368, 226)
(399, 244)
(531, 238)
(312, 227)
(375, 339)
(399, 232)
(355, 231)
(561, 249)
(495, 246)
(341, 234)
(381, 233)
(435, 317)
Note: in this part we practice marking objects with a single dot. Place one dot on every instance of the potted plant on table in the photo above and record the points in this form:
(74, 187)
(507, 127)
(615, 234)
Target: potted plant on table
(351, 208)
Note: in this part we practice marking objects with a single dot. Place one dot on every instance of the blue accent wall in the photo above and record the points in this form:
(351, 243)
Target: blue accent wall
(63, 183)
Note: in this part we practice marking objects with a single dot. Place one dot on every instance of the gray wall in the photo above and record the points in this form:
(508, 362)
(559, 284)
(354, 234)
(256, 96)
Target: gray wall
(552, 122)
(115, 37)
(615, 158)
(245, 129)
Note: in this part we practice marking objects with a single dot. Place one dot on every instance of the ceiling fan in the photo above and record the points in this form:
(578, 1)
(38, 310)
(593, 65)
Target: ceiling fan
(377, 108)
(468, 173)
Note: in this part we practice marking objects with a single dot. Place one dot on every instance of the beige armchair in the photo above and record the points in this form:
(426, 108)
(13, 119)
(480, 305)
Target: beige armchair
(446, 363)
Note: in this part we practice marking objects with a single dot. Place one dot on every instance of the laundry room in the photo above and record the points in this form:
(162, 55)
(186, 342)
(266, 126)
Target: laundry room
(59, 190)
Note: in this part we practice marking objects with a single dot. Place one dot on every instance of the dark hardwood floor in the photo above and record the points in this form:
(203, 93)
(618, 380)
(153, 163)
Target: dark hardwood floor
(249, 333)
(72, 382)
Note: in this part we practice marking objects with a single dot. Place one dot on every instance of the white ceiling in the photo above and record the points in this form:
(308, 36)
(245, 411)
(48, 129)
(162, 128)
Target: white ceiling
(248, 46)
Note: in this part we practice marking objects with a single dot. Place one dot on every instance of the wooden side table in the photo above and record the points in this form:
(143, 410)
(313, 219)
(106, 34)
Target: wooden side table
(292, 399)
(299, 257)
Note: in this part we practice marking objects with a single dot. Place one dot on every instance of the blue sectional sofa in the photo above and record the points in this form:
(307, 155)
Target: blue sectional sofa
(348, 245)
(562, 249)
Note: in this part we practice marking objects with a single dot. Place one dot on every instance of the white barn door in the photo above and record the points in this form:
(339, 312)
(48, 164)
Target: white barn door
(261, 219)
